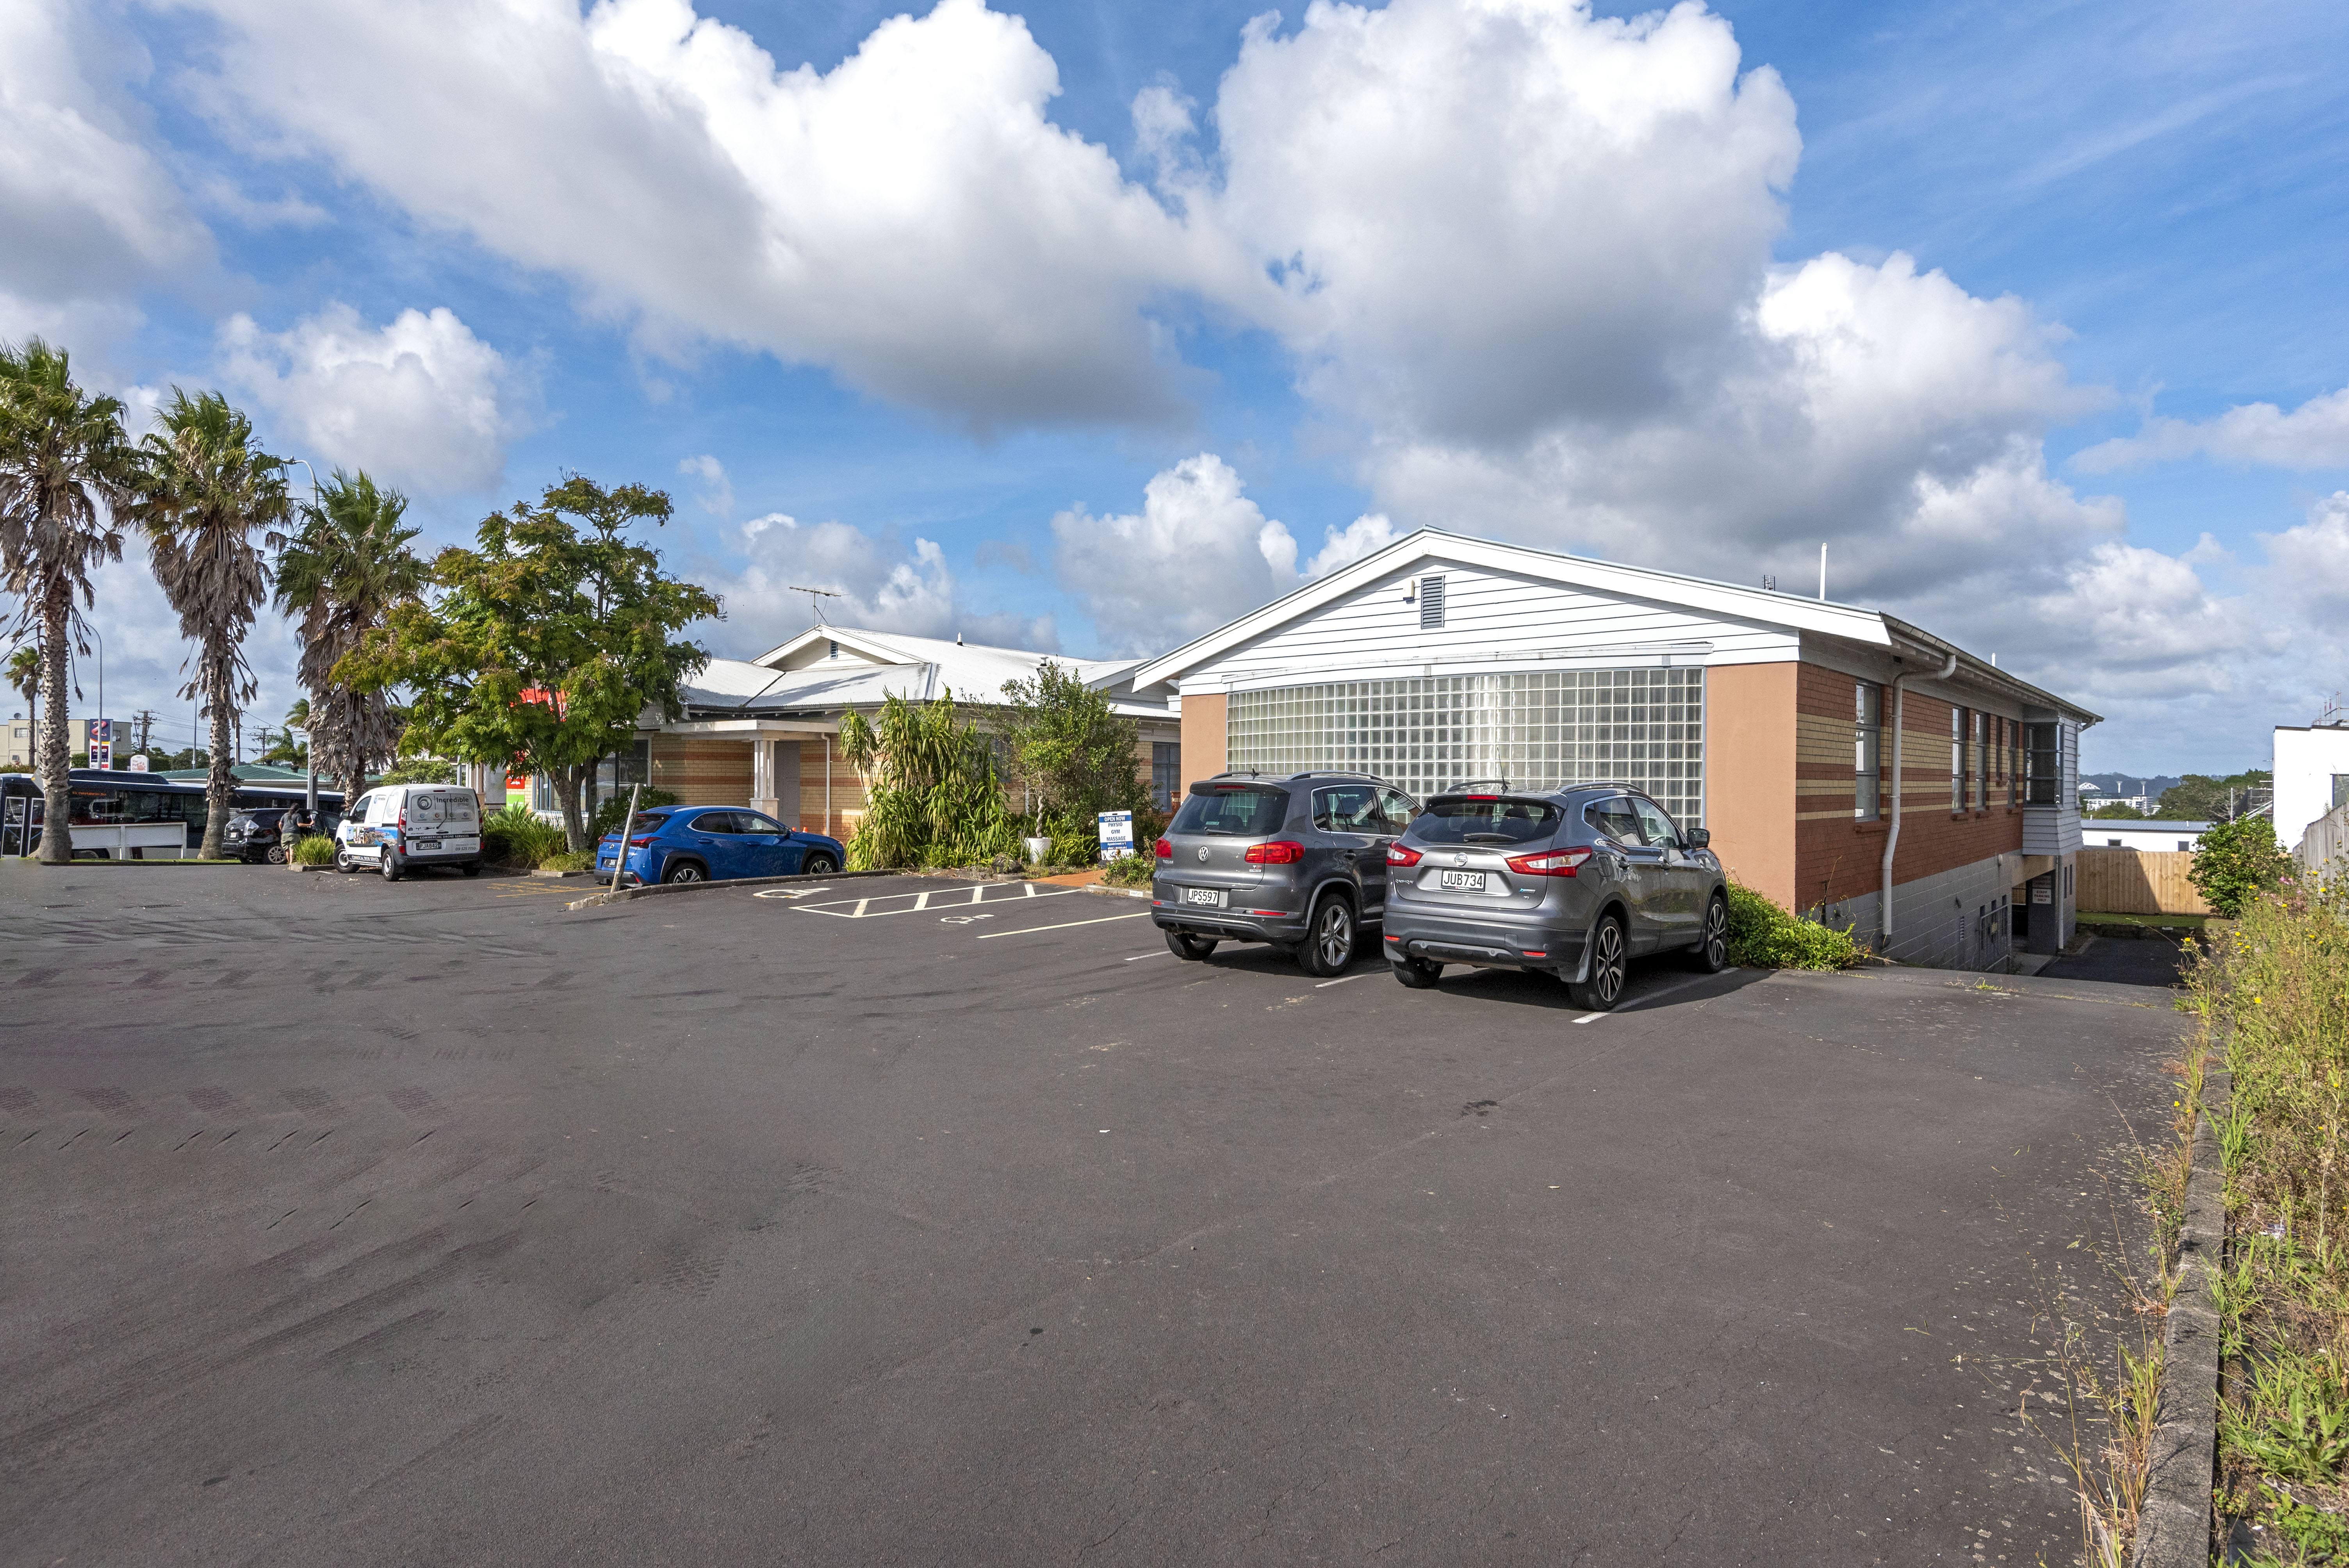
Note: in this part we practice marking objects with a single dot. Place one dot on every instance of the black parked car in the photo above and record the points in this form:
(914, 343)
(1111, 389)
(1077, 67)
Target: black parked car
(258, 835)
(1574, 882)
(1297, 860)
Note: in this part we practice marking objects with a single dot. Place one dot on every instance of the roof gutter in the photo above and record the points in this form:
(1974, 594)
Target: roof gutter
(1892, 834)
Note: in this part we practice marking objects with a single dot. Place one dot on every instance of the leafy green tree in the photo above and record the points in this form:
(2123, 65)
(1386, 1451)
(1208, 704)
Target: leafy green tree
(545, 643)
(1072, 756)
(2202, 797)
(2235, 862)
(340, 576)
(66, 469)
(2116, 812)
(933, 796)
(210, 499)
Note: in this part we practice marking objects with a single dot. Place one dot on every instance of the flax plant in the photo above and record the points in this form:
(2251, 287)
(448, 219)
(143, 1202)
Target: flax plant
(933, 796)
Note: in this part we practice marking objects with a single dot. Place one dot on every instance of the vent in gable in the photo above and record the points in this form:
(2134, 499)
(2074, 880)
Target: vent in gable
(1431, 602)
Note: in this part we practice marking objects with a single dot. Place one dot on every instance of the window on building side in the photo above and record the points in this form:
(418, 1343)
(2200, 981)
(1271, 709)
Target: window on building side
(1431, 602)
(2044, 757)
(1981, 761)
(1166, 773)
(1957, 760)
(1867, 751)
(2339, 789)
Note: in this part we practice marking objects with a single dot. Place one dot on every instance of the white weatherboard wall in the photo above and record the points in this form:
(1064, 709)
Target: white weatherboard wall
(2305, 762)
(2171, 837)
(1492, 620)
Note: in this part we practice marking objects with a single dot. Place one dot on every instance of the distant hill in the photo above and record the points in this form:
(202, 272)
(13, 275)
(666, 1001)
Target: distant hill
(2123, 785)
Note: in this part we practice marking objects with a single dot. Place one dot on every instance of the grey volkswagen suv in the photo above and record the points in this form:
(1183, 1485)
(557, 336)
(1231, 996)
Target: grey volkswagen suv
(1298, 860)
(1574, 882)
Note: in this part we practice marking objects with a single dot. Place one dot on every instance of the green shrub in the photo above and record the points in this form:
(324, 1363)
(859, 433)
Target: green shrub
(2235, 862)
(314, 850)
(419, 770)
(1764, 936)
(609, 814)
(515, 836)
(1133, 870)
(568, 860)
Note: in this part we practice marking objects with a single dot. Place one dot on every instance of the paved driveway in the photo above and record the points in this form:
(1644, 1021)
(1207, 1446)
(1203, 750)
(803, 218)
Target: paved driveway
(431, 1222)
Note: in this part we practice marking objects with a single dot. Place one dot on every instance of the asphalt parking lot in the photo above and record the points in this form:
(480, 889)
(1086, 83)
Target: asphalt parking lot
(435, 1222)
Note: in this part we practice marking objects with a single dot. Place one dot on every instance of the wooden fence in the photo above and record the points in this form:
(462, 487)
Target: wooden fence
(2138, 882)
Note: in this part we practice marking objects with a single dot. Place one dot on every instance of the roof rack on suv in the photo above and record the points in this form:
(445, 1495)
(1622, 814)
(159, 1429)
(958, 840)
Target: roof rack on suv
(1602, 784)
(1467, 784)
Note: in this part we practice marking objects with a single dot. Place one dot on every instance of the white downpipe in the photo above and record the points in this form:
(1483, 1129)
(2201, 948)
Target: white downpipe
(1892, 834)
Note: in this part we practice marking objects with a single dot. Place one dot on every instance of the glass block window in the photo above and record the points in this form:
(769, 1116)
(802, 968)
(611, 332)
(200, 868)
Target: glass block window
(1536, 728)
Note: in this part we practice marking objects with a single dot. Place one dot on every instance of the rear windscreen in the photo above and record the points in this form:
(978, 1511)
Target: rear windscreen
(1241, 814)
(461, 807)
(1484, 822)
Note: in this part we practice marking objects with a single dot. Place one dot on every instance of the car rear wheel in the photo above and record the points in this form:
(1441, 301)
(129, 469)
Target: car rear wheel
(1608, 968)
(388, 863)
(276, 856)
(1712, 954)
(1418, 972)
(472, 868)
(1189, 948)
(685, 871)
(819, 865)
(343, 861)
(1329, 938)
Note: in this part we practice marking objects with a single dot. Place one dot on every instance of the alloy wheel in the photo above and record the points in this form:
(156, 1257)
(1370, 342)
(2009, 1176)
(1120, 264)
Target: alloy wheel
(1716, 934)
(1607, 964)
(1333, 935)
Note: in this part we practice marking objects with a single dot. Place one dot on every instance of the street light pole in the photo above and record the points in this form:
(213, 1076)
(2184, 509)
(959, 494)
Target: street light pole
(309, 742)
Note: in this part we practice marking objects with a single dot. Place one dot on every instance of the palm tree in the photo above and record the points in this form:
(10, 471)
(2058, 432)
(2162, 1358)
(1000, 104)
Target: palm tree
(23, 672)
(347, 565)
(205, 488)
(66, 470)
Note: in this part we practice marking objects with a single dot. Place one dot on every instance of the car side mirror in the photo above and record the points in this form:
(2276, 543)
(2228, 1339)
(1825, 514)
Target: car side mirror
(1700, 837)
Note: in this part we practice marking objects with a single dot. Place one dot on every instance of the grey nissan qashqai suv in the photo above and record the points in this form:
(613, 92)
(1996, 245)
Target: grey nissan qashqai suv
(1574, 882)
(1298, 860)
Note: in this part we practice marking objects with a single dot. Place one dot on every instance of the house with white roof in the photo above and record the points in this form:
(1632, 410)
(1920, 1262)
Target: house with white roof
(764, 732)
(1848, 765)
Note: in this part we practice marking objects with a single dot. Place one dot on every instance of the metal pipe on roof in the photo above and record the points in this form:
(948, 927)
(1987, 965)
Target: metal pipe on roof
(1892, 834)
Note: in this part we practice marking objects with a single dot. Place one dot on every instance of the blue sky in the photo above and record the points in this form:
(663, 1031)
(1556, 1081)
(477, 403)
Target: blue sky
(1987, 295)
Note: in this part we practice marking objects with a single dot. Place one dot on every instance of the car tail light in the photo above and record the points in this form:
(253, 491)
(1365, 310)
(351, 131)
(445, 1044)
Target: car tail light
(1554, 863)
(1280, 853)
(1398, 855)
(403, 821)
(640, 843)
(1165, 850)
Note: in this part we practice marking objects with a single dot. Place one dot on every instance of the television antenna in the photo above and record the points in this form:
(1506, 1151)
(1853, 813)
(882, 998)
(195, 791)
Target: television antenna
(815, 612)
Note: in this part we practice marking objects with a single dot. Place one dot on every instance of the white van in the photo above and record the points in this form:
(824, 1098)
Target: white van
(395, 827)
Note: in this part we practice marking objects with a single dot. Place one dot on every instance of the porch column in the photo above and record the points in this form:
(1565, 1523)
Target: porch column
(763, 794)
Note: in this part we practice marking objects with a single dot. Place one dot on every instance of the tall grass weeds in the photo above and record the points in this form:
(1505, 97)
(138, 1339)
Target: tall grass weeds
(516, 837)
(2274, 988)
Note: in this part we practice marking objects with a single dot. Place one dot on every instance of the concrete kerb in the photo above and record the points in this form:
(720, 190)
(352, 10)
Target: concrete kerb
(2173, 1524)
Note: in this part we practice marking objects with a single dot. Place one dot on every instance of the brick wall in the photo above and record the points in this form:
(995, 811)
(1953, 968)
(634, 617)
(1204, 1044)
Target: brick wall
(702, 771)
(848, 790)
(1838, 857)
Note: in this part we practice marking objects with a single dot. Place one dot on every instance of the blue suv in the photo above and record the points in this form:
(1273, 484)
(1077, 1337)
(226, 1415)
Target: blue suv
(714, 843)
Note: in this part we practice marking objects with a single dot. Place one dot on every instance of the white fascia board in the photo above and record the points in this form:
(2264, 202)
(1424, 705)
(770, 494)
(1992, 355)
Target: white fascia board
(750, 729)
(864, 642)
(1756, 605)
(1982, 673)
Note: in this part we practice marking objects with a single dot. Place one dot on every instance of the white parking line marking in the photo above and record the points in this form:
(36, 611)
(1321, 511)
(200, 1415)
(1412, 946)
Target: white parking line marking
(1341, 979)
(1161, 952)
(875, 905)
(789, 891)
(1104, 920)
(1589, 1018)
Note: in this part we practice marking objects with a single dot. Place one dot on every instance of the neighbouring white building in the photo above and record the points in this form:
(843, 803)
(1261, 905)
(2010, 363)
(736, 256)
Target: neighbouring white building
(2312, 772)
(2171, 837)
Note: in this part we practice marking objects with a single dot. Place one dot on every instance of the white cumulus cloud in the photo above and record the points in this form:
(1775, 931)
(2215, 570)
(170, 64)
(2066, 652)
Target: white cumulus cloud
(2313, 436)
(420, 402)
(1198, 554)
(910, 219)
(88, 211)
(882, 587)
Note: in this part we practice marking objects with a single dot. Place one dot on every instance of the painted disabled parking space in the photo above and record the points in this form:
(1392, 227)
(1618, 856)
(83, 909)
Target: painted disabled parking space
(958, 904)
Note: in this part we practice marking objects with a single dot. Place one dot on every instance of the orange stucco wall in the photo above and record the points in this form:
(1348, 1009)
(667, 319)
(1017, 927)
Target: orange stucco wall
(1749, 774)
(1205, 742)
